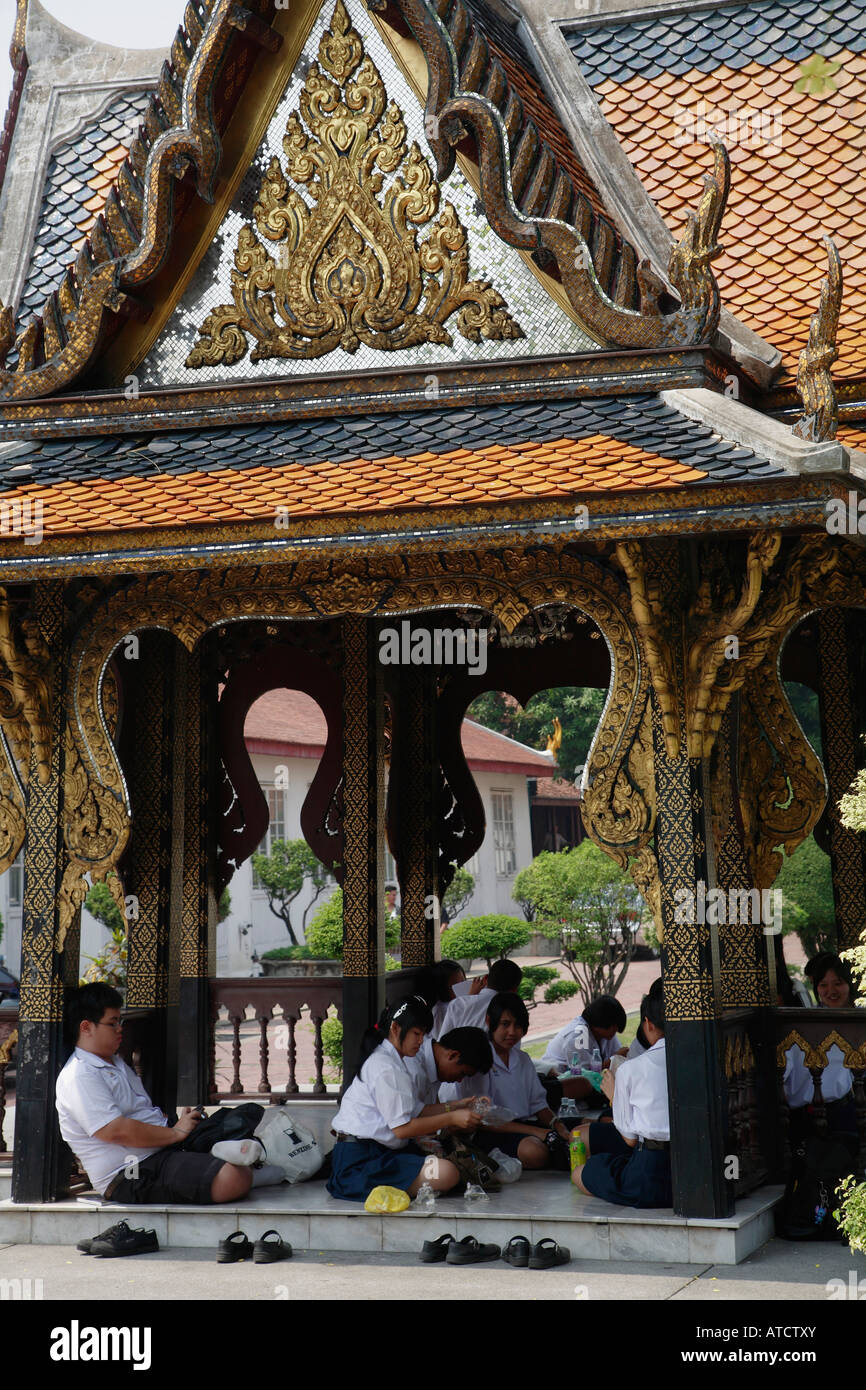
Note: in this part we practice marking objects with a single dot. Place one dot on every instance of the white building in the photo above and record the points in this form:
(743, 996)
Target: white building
(285, 734)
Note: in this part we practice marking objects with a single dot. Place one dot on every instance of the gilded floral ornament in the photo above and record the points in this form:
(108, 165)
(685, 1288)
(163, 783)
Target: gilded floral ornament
(348, 268)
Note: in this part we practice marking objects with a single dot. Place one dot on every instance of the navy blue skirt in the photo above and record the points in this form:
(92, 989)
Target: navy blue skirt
(359, 1166)
(627, 1177)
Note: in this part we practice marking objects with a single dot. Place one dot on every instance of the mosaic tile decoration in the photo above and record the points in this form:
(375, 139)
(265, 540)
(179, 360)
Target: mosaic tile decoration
(784, 86)
(79, 175)
(546, 328)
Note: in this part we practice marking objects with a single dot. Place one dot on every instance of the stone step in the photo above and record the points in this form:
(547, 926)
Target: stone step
(539, 1205)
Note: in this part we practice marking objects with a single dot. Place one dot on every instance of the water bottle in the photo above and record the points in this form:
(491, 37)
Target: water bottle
(425, 1199)
(595, 1063)
(475, 1195)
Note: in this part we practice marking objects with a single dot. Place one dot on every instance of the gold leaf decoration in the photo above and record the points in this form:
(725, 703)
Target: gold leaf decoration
(348, 268)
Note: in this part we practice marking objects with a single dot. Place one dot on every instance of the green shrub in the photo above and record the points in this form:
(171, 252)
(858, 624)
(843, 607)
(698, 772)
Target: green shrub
(851, 1214)
(486, 938)
(332, 1045)
(288, 953)
(559, 990)
(325, 932)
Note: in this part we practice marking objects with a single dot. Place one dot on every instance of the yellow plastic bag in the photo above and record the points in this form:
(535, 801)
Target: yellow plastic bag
(387, 1199)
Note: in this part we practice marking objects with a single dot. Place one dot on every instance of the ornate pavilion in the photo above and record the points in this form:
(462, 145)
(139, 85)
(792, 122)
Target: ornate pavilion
(449, 309)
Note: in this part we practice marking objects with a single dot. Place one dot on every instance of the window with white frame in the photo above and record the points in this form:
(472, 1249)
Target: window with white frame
(276, 798)
(16, 880)
(505, 850)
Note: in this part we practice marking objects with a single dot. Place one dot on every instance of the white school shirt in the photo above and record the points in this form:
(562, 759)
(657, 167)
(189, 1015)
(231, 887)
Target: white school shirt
(514, 1084)
(422, 1069)
(439, 1012)
(640, 1098)
(836, 1079)
(468, 1012)
(380, 1099)
(560, 1049)
(90, 1093)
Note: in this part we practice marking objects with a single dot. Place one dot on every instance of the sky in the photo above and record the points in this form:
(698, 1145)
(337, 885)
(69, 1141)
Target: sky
(119, 22)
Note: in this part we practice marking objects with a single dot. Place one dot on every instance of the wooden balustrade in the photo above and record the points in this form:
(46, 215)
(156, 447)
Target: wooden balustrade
(277, 1005)
(750, 1140)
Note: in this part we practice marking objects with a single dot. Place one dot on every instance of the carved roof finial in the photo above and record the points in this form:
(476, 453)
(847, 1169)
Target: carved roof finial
(689, 267)
(820, 420)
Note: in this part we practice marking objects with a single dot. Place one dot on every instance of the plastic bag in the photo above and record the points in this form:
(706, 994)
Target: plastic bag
(387, 1200)
(593, 1077)
(498, 1115)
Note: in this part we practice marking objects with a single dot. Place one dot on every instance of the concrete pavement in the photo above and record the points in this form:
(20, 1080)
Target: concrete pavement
(779, 1272)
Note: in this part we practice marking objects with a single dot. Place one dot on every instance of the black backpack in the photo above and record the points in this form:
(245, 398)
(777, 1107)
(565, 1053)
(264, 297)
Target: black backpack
(230, 1122)
(820, 1164)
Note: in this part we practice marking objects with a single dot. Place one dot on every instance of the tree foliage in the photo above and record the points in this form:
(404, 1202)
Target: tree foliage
(325, 932)
(283, 874)
(578, 710)
(458, 892)
(101, 905)
(806, 883)
(586, 900)
(488, 938)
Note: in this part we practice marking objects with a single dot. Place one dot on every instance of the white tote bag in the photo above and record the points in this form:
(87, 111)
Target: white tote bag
(289, 1144)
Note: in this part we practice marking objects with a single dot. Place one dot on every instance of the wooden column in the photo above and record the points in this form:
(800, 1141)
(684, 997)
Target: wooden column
(364, 836)
(155, 688)
(691, 982)
(413, 812)
(41, 1162)
(843, 756)
(198, 904)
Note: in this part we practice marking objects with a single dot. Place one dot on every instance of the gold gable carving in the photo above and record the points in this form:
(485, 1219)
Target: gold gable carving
(349, 270)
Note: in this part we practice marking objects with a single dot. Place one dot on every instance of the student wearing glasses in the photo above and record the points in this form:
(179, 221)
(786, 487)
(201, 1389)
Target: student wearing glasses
(125, 1143)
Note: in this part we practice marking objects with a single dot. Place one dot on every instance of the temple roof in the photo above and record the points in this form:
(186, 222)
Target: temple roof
(782, 84)
(359, 463)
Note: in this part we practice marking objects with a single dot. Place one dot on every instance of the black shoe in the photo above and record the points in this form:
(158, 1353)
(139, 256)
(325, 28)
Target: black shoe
(86, 1246)
(434, 1251)
(122, 1241)
(468, 1251)
(267, 1252)
(235, 1247)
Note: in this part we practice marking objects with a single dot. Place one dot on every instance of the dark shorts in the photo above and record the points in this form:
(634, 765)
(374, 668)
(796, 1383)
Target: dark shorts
(169, 1176)
(362, 1164)
(625, 1176)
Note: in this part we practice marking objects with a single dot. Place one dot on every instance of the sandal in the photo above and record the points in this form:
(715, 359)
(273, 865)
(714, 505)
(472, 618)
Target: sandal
(267, 1252)
(517, 1252)
(434, 1251)
(468, 1252)
(547, 1253)
(235, 1247)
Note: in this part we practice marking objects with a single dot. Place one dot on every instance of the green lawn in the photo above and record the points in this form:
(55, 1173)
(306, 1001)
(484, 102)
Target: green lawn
(536, 1050)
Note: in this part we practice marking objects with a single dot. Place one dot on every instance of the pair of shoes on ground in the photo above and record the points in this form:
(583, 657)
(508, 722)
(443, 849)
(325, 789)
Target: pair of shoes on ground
(119, 1240)
(519, 1252)
(266, 1251)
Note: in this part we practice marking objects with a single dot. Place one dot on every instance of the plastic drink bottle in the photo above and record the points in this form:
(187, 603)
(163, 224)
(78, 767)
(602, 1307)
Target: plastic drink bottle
(576, 1150)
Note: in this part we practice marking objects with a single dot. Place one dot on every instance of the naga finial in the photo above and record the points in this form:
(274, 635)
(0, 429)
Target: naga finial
(820, 419)
(689, 267)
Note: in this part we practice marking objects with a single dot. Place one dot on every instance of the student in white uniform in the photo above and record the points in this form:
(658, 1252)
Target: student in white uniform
(462, 1053)
(595, 1028)
(470, 1009)
(629, 1161)
(437, 984)
(834, 986)
(381, 1114)
(514, 1084)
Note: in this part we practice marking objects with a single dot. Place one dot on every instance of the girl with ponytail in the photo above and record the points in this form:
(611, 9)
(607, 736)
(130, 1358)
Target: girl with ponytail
(380, 1115)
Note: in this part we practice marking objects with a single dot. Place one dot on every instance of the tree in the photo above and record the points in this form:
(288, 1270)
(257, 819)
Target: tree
(586, 900)
(488, 938)
(283, 874)
(101, 905)
(458, 892)
(806, 883)
(578, 710)
(325, 933)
